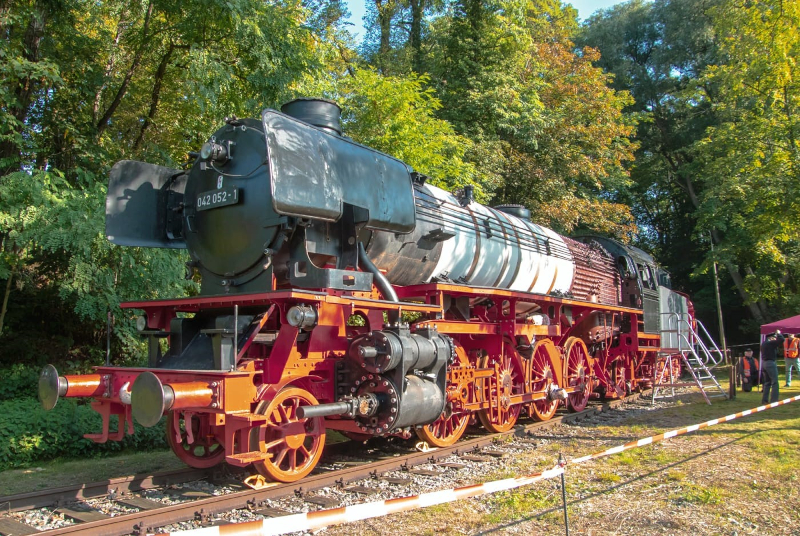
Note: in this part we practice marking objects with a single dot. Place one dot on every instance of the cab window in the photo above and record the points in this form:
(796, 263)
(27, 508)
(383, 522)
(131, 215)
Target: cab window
(646, 276)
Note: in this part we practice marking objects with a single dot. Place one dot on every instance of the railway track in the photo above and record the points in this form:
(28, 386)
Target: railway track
(130, 510)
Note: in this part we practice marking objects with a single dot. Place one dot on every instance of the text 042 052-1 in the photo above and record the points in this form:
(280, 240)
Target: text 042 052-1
(218, 198)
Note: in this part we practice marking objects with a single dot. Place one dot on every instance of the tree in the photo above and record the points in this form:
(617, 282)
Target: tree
(544, 122)
(712, 87)
(751, 159)
(656, 51)
(88, 83)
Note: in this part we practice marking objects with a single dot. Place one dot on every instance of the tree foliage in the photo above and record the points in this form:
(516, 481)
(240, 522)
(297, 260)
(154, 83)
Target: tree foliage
(664, 122)
(545, 121)
(751, 158)
(85, 84)
(714, 91)
(396, 115)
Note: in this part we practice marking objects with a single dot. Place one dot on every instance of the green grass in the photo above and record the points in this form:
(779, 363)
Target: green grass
(608, 477)
(676, 476)
(510, 505)
(67, 473)
(697, 494)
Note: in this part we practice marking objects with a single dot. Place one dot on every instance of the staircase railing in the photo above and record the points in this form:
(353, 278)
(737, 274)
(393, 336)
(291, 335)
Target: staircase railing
(697, 342)
(697, 350)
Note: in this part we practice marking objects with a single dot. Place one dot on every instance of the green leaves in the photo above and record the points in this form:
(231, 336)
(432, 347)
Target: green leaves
(546, 127)
(29, 434)
(713, 90)
(396, 115)
(751, 160)
(85, 84)
(54, 237)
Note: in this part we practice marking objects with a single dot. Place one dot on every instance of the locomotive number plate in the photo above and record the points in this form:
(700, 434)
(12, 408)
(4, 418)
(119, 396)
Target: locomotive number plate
(218, 198)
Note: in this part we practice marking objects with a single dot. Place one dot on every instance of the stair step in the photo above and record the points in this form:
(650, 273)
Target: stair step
(240, 460)
(247, 417)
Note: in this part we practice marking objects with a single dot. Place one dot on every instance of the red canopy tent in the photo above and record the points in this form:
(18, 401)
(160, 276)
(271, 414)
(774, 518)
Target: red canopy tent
(787, 325)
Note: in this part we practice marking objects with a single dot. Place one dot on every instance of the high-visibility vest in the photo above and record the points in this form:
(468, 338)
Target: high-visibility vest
(791, 347)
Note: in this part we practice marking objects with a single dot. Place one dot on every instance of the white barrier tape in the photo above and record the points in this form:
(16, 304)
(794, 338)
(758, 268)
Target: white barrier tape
(681, 431)
(358, 512)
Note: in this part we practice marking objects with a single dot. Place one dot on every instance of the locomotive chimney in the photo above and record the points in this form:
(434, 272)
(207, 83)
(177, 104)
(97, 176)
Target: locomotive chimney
(321, 113)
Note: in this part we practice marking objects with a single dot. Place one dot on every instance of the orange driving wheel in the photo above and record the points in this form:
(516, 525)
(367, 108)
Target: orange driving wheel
(579, 374)
(542, 379)
(450, 426)
(508, 380)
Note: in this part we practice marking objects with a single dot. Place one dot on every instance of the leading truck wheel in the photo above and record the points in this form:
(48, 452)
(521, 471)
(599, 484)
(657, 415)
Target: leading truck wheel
(579, 374)
(294, 445)
(200, 448)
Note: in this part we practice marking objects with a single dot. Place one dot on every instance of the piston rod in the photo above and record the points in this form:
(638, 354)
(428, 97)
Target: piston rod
(363, 406)
(324, 410)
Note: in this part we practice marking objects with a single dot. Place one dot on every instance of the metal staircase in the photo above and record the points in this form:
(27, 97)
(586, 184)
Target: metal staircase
(695, 352)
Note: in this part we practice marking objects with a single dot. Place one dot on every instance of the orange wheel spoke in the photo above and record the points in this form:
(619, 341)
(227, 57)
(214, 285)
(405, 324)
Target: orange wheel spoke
(283, 414)
(295, 444)
(274, 443)
(280, 456)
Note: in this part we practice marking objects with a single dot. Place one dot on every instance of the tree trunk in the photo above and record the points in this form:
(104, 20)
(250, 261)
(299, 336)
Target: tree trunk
(123, 88)
(736, 277)
(386, 10)
(762, 305)
(417, 11)
(109, 68)
(23, 93)
(5, 7)
(738, 281)
(4, 308)
(156, 94)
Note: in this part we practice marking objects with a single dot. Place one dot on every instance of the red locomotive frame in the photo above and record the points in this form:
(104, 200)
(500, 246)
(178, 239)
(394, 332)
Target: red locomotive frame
(504, 367)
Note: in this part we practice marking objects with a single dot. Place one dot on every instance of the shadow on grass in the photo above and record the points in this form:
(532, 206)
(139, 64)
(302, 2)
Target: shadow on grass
(698, 412)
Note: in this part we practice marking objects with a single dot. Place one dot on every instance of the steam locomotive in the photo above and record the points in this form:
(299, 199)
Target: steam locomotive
(340, 290)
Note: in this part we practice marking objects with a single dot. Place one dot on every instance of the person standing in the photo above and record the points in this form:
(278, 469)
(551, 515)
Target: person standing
(748, 370)
(791, 349)
(769, 356)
